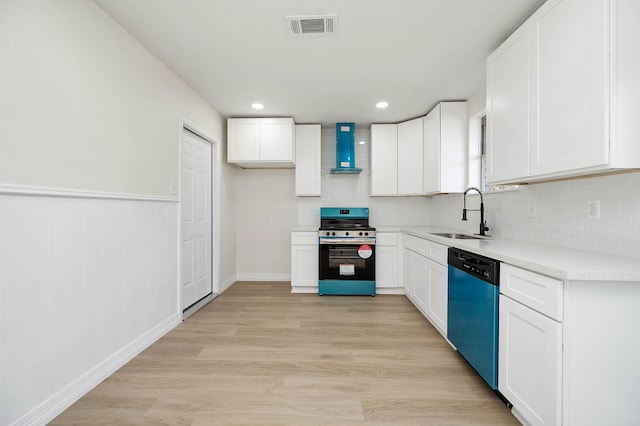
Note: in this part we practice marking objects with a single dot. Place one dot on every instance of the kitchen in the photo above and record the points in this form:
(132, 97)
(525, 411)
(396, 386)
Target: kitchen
(45, 196)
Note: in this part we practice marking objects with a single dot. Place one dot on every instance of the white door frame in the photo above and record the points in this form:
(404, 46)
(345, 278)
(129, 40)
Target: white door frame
(216, 170)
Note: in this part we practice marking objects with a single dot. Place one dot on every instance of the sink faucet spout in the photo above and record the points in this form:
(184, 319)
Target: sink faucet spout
(483, 223)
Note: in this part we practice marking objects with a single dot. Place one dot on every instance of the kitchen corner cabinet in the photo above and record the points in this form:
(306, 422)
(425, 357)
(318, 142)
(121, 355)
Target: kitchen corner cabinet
(562, 93)
(308, 160)
(304, 262)
(567, 355)
(384, 159)
(445, 148)
(261, 142)
(396, 158)
(425, 277)
(388, 260)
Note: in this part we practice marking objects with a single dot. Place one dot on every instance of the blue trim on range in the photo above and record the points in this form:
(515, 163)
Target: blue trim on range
(344, 212)
(347, 287)
(472, 324)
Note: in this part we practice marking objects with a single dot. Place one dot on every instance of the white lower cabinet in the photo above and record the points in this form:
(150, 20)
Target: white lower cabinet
(304, 262)
(530, 363)
(388, 261)
(437, 297)
(425, 279)
(567, 349)
(530, 345)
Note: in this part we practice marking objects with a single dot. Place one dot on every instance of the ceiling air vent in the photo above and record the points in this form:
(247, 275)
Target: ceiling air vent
(313, 24)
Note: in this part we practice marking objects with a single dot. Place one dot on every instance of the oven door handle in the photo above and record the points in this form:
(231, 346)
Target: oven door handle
(348, 241)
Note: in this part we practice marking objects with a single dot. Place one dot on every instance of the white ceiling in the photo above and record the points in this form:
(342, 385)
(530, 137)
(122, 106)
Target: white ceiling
(411, 53)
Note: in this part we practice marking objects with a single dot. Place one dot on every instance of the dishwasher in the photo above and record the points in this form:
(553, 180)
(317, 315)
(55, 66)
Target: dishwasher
(473, 311)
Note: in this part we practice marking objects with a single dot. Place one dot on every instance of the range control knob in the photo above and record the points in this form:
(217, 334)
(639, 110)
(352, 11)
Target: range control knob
(346, 233)
(366, 234)
(328, 233)
(361, 234)
(333, 233)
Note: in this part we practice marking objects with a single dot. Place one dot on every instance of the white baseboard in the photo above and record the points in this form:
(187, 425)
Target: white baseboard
(397, 290)
(263, 277)
(224, 285)
(305, 289)
(56, 404)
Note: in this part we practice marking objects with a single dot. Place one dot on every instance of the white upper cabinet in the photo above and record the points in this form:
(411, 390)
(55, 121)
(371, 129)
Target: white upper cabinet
(571, 86)
(261, 142)
(445, 148)
(563, 95)
(396, 158)
(508, 101)
(410, 153)
(384, 159)
(308, 160)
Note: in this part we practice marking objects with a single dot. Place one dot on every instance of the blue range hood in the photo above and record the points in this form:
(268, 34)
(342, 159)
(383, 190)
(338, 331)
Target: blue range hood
(345, 149)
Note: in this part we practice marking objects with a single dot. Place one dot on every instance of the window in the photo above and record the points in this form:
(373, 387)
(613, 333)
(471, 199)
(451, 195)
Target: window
(478, 155)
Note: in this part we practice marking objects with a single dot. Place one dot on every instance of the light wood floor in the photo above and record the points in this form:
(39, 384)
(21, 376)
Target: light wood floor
(258, 355)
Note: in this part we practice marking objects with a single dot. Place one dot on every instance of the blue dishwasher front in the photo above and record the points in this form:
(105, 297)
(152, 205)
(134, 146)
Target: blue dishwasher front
(472, 315)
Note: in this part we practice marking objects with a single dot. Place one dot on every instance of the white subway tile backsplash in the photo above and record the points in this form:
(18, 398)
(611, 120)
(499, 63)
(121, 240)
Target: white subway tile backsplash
(559, 214)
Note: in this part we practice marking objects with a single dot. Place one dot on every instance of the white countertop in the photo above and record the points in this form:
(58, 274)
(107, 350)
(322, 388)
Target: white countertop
(557, 262)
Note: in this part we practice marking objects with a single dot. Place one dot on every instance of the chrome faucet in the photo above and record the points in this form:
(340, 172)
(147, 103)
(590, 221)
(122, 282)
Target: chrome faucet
(483, 223)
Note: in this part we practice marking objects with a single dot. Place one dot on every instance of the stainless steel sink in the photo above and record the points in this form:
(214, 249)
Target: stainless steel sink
(456, 236)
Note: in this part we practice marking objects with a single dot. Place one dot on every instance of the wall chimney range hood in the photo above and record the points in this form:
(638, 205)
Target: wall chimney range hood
(345, 149)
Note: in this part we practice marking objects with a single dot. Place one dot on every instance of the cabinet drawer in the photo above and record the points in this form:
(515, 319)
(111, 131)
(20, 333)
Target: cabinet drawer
(438, 253)
(386, 239)
(304, 238)
(418, 245)
(539, 292)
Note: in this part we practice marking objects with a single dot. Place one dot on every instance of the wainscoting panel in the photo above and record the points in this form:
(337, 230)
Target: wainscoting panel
(85, 285)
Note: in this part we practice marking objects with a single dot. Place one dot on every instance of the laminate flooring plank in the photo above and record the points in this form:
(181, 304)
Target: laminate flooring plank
(259, 355)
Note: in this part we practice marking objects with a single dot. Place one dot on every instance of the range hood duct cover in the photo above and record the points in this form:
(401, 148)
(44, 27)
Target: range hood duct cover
(345, 149)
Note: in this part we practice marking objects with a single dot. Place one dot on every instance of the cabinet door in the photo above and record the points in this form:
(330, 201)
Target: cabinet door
(410, 152)
(384, 159)
(508, 108)
(276, 139)
(408, 277)
(530, 362)
(304, 265)
(243, 139)
(420, 278)
(437, 299)
(308, 157)
(572, 87)
(432, 151)
(386, 266)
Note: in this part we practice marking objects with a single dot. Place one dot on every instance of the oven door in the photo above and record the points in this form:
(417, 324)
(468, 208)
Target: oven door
(347, 260)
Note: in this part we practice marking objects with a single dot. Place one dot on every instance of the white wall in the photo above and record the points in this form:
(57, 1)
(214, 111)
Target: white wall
(266, 211)
(89, 127)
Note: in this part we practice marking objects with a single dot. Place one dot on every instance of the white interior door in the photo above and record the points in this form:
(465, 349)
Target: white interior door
(195, 244)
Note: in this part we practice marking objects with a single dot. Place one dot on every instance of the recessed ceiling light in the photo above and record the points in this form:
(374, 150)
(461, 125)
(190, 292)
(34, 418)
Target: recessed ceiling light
(382, 104)
(257, 105)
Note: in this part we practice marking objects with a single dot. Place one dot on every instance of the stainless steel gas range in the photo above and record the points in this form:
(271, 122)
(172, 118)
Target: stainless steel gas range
(347, 254)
